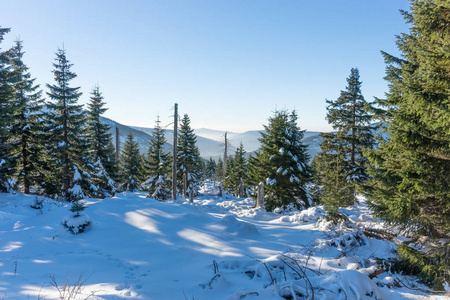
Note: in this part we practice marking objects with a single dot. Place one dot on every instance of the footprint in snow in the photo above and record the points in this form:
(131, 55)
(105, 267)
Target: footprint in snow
(121, 287)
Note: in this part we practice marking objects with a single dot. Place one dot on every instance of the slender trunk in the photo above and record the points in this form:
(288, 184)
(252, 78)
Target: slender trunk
(184, 185)
(66, 175)
(25, 161)
(174, 162)
(225, 156)
(353, 131)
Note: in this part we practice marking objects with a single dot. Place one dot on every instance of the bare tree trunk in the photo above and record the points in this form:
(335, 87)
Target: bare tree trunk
(184, 185)
(225, 156)
(117, 156)
(174, 162)
(260, 196)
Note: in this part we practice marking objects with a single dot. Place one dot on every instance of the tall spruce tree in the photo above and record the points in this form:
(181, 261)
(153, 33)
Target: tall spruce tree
(341, 166)
(189, 161)
(237, 179)
(282, 163)
(210, 169)
(100, 145)
(219, 170)
(131, 164)
(158, 166)
(7, 163)
(26, 123)
(410, 168)
(65, 132)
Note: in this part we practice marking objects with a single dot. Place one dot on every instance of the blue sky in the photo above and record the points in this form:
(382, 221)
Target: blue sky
(228, 64)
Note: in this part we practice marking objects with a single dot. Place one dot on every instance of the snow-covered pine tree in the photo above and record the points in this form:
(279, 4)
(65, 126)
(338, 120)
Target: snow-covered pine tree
(100, 146)
(282, 163)
(65, 132)
(344, 148)
(131, 164)
(331, 176)
(219, 170)
(210, 169)
(228, 180)
(7, 164)
(27, 121)
(411, 183)
(158, 166)
(237, 179)
(189, 165)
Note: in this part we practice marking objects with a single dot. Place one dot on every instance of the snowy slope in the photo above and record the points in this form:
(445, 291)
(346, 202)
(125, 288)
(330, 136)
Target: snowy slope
(215, 248)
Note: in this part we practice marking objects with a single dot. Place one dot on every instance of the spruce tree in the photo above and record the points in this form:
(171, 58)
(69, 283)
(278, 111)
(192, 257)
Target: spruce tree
(26, 125)
(158, 166)
(219, 170)
(131, 164)
(210, 169)
(65, 132)
(282, 163)
(331, 165)
(7, 164)
(100, 145)
(341, 165)
(189, 161)
(410, 186)
(237, 179)
(410, 168)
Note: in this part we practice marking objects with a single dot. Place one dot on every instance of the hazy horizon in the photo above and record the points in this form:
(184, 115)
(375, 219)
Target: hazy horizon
(228, 65)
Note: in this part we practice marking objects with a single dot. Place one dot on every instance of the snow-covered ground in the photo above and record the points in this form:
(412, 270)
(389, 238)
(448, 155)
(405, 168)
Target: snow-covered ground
(214, 248)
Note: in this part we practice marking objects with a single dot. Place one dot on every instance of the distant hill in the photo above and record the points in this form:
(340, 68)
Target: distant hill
(209, 141)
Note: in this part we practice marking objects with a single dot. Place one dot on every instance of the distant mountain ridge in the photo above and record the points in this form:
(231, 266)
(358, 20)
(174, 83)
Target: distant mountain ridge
(209, 141)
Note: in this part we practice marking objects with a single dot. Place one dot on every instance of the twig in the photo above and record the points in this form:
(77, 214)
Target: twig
(272, 280)
(301, 270)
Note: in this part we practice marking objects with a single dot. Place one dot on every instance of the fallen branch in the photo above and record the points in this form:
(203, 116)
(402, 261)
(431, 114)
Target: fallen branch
(420, 290)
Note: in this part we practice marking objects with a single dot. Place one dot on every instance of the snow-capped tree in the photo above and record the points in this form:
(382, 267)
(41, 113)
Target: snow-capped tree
(410, 186)
(7, 163)
(189, 161)
(131, 165)
(210, 169)
(65, 132)
(100, 146)
(27, 121)
(236, 180)
(282, 163)
(219, 170)
(341, 165)
(158, 166)
(76, 192)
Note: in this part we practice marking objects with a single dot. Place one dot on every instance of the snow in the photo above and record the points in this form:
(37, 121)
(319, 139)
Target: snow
(213, 248)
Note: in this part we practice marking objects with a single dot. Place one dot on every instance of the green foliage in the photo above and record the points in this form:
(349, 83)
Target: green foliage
(189, 162)
(282, 163)
(341, 165)
(26, 125)
(410, 184)
(77, 207)
(66, 142)
(7, 163)
(101, 149)
(219, 170)
(236, 179)
(428, 267)
(210, 170)
(158, 166)
(131, 164)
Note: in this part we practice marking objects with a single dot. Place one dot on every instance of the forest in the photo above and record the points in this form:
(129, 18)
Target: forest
(394, 152)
